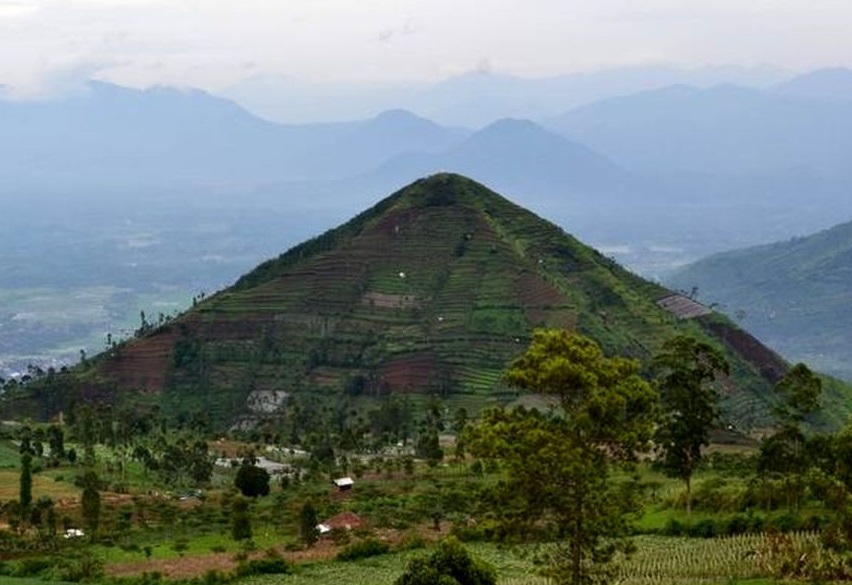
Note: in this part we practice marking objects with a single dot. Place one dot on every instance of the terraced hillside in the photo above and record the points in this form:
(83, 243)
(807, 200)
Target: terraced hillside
(434, 290)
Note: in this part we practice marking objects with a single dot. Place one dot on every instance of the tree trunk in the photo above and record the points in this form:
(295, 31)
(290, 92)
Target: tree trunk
(688, 496)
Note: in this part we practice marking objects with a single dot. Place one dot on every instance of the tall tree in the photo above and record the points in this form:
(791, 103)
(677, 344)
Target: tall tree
(56, 442)
(308, 524)
(686, 371)
(558, 482)
(240, 519)
(25, 496)
(784, 453)
(800, 391)
(90, 501)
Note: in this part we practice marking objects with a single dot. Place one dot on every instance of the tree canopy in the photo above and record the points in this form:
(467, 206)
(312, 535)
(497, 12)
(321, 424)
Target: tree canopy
(449, 564)
(686, 370)
(558, 484)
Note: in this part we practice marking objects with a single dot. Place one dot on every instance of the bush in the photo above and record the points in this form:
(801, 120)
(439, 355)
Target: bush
(673, 528)
(214, 577)
(785, 523)
(86, 568)
(369, 547)
(412, 541)
(705, 528)
(252, 481)
(738, 524)
(450, 563)
(756, 524)
(339, 536)
(814, 523)
(271, 564)
(31, 567)
(716, 495)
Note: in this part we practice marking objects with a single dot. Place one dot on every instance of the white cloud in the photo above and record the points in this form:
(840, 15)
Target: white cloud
(209, 42)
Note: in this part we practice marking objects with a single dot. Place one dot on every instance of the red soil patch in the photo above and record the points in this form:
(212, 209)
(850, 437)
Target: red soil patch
(768, 363)
(411, 372)
(143, 364)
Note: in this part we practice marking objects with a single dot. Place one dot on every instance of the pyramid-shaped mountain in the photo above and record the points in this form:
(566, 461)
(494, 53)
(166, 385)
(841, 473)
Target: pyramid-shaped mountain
(434, 290)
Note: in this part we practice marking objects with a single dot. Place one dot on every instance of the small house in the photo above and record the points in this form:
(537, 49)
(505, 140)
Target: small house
(344, 484)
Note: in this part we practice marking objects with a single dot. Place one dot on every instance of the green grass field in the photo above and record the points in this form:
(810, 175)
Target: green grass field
(43, 485)
(9, 456)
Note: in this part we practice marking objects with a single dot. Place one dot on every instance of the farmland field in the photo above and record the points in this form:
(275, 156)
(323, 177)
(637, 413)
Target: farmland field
(658, 561)
(9, 456)
(42, 485)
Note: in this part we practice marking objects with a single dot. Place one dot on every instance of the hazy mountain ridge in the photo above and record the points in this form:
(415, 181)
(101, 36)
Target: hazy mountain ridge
(795, 295)
(724, 129)
(478, 98)
(828, 84)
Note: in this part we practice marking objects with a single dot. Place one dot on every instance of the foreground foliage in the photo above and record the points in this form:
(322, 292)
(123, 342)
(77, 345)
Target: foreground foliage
(449, 564)
(558, 484)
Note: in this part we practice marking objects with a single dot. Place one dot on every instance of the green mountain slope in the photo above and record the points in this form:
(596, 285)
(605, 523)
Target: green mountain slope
(432, 291)
(794, 295)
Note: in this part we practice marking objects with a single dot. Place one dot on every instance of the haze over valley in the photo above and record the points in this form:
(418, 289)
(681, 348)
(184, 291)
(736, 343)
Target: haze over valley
(124, 200)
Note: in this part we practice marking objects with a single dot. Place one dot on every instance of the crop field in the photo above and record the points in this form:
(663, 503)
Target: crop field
(658, 561)
(9, 456)
(43, 485)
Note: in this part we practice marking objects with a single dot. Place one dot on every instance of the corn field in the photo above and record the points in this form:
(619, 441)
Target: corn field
(658, 560)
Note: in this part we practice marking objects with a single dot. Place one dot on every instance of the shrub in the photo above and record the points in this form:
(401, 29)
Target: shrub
(252, 481)
(214, 577)
(673, 528)
(412, 541)
(705, 528)
(369, 547)
(180, 546)
(85, 568)
(814, 523)
(738, 524)
(271, 564)
(756, 524)
(449, 563)
(339, 536)
(785, 523)
(31, 567)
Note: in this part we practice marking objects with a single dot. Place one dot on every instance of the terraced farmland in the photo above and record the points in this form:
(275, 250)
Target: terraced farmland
(434, 290)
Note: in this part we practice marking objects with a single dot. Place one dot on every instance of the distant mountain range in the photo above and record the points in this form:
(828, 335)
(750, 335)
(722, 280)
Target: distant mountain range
(804, 124)
(478, 98)
(795, 295)
(140, 192)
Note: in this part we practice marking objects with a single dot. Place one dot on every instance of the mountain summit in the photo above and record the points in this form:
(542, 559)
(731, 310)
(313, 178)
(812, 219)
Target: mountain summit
(434, 290)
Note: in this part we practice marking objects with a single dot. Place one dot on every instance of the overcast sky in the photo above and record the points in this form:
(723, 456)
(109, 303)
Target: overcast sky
(49, 44)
